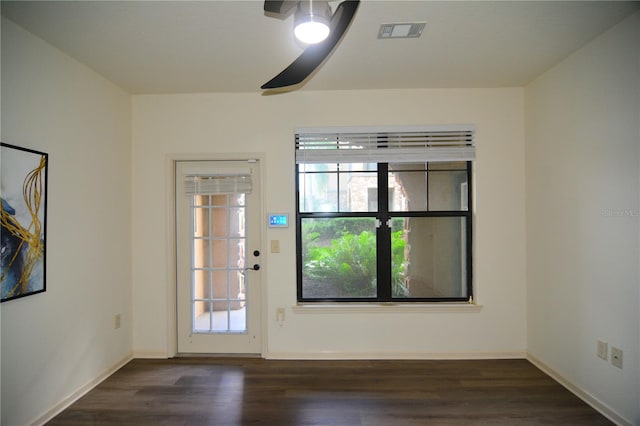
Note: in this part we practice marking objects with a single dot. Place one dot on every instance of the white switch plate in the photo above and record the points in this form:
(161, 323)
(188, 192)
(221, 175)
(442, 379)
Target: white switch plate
(603, 350)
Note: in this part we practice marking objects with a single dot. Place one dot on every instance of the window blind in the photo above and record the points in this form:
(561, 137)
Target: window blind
(227, 183)
(391, 144)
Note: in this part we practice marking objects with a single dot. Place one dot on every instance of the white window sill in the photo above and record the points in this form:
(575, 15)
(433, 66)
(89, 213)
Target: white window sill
(383, 308)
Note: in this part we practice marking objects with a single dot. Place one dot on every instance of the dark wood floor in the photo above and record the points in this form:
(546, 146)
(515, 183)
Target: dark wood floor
(233, 391)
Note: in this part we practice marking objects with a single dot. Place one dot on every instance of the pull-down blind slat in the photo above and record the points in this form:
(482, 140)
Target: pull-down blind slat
(218, 184)
(427, 144)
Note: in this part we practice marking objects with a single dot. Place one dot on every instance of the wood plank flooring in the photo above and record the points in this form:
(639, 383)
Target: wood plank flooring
(235, 391)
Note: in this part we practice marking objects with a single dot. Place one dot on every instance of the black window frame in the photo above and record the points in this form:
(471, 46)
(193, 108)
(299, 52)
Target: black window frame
(383, 241)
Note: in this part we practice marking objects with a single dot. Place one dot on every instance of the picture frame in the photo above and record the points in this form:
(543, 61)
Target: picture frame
(23, 219)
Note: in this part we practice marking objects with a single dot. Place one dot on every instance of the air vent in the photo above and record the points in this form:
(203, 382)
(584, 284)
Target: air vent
(401, 30)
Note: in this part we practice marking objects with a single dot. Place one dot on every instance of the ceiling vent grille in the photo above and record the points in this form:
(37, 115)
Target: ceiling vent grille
(401, 30)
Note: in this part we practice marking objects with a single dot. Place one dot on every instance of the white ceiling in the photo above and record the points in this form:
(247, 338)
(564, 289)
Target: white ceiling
(232, 46)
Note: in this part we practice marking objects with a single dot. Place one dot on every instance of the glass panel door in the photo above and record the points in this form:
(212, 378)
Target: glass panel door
(217, 270)
(218, 253)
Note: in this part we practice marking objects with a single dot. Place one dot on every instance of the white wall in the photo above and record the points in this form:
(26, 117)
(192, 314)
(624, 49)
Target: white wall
(203, 125)
(55, 342)
(0, 191)
(582, 207)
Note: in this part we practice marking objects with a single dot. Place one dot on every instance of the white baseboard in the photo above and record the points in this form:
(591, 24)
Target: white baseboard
(150, 355)
(80, 392)
(392, 355)
(594, 402)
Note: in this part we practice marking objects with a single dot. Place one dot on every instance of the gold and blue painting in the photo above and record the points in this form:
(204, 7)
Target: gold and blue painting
(23, 191)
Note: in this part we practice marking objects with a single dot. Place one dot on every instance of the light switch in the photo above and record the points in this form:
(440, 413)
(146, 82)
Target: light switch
(275, 246)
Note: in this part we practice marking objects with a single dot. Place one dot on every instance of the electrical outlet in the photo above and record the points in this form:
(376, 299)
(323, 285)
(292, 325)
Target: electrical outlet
(116, 321)
(603, 350)
(616, 357)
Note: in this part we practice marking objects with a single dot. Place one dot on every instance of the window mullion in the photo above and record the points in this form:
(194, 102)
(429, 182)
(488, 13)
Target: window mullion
(383, 236)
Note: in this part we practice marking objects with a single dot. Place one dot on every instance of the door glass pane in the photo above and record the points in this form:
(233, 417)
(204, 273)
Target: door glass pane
(201, 253)
(218, 259)
(338, 258)
(219, 284)
(429, 257)
(219, 226)
(236, 254)
(201, 316)
(220, 252)
(219, 200)
(236, 222)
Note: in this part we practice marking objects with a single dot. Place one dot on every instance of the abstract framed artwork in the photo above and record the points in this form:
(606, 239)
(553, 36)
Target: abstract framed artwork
(23, 192)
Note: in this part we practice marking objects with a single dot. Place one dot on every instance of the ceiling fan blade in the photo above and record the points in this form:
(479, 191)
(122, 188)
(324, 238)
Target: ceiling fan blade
(279, 7)
(315, 54)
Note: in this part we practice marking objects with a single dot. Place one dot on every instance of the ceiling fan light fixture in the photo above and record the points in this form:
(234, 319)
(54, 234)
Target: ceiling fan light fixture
(311, 32)
(311, 21)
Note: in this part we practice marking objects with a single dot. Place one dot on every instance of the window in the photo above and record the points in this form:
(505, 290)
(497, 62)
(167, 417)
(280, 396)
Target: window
(384, 214)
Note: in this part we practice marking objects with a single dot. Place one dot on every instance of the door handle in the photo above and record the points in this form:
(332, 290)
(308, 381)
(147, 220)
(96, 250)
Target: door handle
(255, 267)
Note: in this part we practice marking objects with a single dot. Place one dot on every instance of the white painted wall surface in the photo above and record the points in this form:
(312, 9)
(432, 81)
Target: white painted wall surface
(582, 186)
(206, 125)
(55, 342)
(0, 190)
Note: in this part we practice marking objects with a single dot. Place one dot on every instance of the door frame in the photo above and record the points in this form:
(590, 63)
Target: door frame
(171, 254)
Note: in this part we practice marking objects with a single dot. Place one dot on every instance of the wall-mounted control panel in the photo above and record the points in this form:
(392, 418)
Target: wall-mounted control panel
(278, 220)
